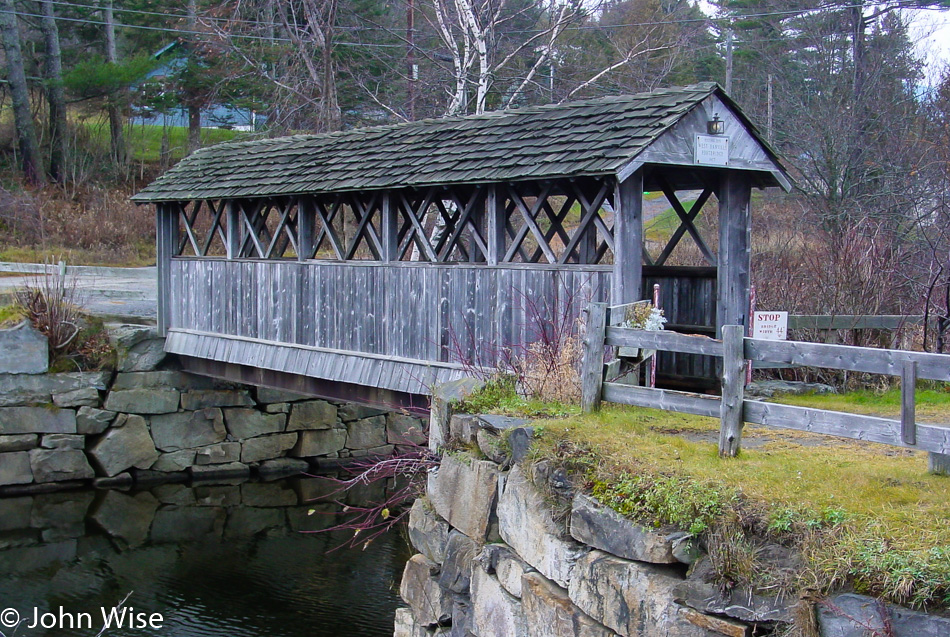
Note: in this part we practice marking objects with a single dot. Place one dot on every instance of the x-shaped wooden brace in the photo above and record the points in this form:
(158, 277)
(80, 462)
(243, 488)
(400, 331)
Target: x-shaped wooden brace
(591, 216)
(530, 223)
(463, 219)
(327, 232)
(365, 230)
(286, 229)
(188, 221)
(686, 223)
(412, 229)
(557, 223)
(259, 212)
(215, 227)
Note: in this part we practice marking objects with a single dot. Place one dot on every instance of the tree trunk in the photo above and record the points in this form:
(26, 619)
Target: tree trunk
(116, 123)
(23, 117)
(194, 128)
(55, 95)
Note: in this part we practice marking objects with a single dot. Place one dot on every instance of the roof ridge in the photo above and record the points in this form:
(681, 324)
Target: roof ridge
(700, 87)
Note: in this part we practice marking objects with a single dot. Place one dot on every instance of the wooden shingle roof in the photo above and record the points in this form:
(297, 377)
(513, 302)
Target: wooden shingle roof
(585, 138)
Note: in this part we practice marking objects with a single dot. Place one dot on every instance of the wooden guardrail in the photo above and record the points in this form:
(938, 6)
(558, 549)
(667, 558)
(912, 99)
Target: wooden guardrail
(734, 410)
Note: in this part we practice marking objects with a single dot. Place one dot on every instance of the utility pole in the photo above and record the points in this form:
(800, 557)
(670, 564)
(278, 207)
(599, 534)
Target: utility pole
(768, 121)
(413, 69)
(729, 37)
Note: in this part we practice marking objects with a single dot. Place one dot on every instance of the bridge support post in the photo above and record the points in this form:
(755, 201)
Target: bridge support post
(734, 251)
(306, 222)
(166, 246)
(628, 240)
(495, 225)
(733, 383)
(592, 363)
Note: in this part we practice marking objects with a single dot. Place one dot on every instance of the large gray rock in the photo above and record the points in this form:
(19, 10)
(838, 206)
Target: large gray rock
(204, 398)
(405, 625)
(25, 350)
(427, 531)
(403, 429)
(138, 348)
(367, 433)
(495, 612)
(268, 395)
(632, 598)
(603, 528)
(504, 563)
(15, 468)
(218, 454)
(18, 442)
(143, 401)
(63, 441)
(463, 491)
(161, 380)
(91, 421)
(312, 414)
(463, 428)
(185, 430)
(248, 423)
(19, 389)
(175, 460)
(126, 517)
(700, 593)
(356, 411)
(128, 446)
(228, 471)
(852, 615)
(59, 465)
(37, 420)
(444, 399)
(278, 468)
(430, 603)
(460, 552)
(267, 447)
(549, 611)
(525, 522)
(319, 443)
(85, 397)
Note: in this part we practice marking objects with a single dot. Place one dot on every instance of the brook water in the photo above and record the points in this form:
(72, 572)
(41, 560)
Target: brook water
(222, 560)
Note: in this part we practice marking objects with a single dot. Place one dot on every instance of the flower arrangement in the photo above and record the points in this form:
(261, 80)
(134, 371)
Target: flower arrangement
(644, 316)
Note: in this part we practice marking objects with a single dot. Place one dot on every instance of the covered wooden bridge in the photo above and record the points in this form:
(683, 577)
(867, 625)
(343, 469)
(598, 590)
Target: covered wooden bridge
(374, 263)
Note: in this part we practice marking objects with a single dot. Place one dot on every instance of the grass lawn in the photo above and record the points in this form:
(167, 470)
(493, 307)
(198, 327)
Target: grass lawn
(864, 515)
(145, 142)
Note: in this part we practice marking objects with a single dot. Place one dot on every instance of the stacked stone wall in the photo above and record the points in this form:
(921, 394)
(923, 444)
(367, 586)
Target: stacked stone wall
(507, 548)
(146, 423)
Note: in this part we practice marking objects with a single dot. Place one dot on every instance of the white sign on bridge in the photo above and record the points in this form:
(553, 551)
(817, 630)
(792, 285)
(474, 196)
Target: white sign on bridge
(772, 326)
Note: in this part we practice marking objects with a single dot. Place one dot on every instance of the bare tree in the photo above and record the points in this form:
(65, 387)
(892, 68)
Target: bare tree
(55, 95)
(30, 160)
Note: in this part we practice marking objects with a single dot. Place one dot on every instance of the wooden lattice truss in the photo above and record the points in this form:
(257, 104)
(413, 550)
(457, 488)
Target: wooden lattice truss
(562, 222)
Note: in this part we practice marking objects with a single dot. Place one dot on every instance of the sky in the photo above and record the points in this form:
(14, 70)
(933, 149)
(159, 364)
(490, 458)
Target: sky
(931, 31)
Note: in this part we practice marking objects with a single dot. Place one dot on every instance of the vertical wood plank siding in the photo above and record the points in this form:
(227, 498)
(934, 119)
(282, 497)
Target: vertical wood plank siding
(429, 312)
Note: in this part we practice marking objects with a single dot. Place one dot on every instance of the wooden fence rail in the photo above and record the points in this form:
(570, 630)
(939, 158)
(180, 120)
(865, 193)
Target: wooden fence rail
(734, 410)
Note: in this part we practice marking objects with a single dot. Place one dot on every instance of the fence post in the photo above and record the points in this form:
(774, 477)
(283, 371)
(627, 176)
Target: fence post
(592, 363)
(733, 380)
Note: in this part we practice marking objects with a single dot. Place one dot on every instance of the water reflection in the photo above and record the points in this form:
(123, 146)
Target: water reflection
(215, 560)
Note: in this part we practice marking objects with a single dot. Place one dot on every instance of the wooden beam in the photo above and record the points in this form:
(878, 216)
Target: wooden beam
(495, 220)
(856, 359)
(628, 240)
(389, 230)
(686, 220)
(694, 211)
(734, 250)
(306, 227)
(235, 230)
(592, 364)
(664, 341)
(908, 407)
(665, 399)
(166, 246)
(733, 381)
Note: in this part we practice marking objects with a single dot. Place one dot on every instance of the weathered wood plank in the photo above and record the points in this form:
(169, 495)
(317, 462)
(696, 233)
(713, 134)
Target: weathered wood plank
(733, 381)
(665, 399)
(908, 411)
(933, 438)
(663, 341)
(592, 365)
(857, 359)
(628, 240)
(734, 249)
